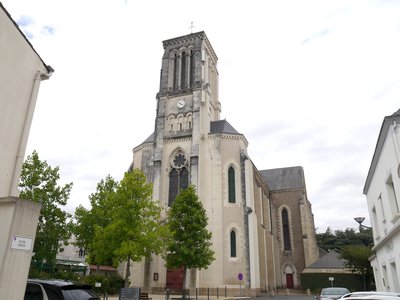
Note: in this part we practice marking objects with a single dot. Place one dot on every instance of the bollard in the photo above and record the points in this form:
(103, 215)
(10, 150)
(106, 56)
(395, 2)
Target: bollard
(287, 292)
(308, 292)
(166, 294)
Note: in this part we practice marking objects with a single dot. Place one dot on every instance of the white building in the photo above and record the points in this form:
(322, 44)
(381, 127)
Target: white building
(382, 189)
(21, 72)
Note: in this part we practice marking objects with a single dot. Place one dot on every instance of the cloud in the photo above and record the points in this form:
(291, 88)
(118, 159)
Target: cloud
(32, 29)
(25, 21)
(316, 35)
(47, 30)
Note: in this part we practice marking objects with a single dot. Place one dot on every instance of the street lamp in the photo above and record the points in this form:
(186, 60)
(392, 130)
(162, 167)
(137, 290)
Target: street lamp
(359, 220)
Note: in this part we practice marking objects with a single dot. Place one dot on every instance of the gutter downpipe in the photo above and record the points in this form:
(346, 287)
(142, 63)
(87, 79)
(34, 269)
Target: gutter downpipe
(25, 129)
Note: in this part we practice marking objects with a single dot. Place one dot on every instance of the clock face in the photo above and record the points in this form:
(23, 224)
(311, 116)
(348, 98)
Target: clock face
(180, 104)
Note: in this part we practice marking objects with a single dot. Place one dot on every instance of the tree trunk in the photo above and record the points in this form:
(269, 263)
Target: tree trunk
(127, 272)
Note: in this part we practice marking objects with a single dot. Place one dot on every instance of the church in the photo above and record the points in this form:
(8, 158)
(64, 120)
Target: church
(261, 221)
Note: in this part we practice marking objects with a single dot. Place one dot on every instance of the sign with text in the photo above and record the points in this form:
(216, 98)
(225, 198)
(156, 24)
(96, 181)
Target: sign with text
(21, 243)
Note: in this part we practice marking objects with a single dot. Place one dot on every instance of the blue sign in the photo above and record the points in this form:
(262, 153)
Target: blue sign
(240, 276)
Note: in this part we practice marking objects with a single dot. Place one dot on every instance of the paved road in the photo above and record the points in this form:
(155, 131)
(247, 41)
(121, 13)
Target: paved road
(283, 297)
(262, 297)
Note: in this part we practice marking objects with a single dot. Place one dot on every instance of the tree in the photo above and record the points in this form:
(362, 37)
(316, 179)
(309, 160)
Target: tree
(357, 259)
(134, 229)
(39, 183)
(190, 246)
(340, 238)
(354, 247)
(98, 215)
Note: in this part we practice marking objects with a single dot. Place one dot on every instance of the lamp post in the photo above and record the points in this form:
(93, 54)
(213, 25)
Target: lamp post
(359, 220)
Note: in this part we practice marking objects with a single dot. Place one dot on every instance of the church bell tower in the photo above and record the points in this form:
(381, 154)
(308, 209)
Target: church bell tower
(188, 97)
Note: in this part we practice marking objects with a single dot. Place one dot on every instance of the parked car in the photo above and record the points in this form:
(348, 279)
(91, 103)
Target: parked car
(370, 295)
(332, 293)
(37, 289)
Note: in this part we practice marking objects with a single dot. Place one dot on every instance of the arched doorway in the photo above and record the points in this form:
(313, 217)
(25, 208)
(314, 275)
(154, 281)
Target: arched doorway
(289, 281)
(289, 277)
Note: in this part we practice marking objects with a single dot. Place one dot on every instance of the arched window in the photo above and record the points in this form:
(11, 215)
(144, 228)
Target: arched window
(233, 243)
(173, 186)
(191, 68)
(183, 179)
(183, 71)
(285, 230)
(231, 185)
(178, 177)
(176, 72)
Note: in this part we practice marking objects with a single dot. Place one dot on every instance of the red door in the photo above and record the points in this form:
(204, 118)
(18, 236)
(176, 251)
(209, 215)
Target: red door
(175, 279)
(289, 281)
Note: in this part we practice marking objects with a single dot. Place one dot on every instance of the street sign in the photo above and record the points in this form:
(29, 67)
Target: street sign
(240, 276)
(21, 243)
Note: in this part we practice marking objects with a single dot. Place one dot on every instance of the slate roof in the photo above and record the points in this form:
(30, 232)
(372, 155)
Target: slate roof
(329, 261)
(149, 139)
(222, 126)
(284, 178)
(387, 121)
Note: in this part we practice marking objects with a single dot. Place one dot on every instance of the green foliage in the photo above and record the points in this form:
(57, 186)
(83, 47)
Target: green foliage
(134, 230)
(354, 247)
(124, 222)
(110, 284)
(357, 259)
(316, 281)
(86, 220)
(39, 183)
(338, 239)
(191, 241)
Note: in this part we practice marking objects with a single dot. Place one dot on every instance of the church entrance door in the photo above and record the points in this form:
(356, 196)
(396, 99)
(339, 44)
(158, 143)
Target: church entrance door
(289, 281)
(175, 279)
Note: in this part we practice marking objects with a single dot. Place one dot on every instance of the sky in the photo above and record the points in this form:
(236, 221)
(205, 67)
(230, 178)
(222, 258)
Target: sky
(307, 82)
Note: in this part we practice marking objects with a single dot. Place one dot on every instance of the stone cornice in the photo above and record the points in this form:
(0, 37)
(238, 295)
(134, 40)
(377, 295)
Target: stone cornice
(177, 139)
(384, 241)
(191, 38)
(213, 136)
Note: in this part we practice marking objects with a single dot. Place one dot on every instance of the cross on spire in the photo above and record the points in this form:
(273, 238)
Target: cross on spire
(191, 27)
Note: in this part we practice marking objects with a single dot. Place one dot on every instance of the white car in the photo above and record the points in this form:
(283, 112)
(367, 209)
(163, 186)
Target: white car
(371, 295)
(332, 293)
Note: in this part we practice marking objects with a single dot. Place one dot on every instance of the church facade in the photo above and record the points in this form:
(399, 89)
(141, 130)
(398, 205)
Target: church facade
(261, 221)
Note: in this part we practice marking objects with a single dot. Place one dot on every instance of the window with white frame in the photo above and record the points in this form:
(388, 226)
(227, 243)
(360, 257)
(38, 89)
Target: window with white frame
(394, 206)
